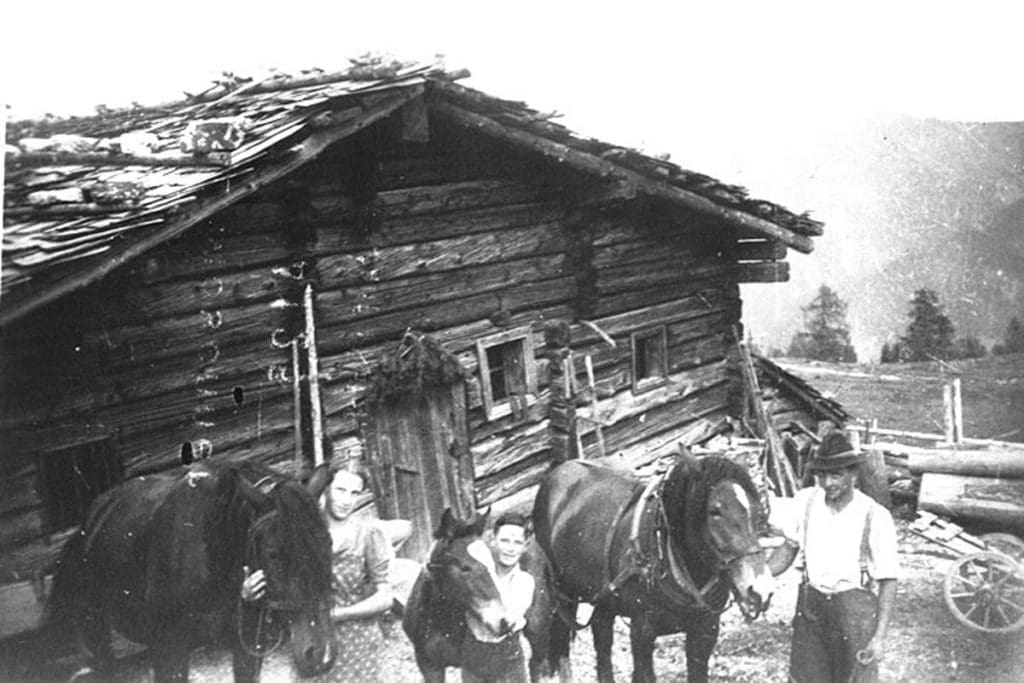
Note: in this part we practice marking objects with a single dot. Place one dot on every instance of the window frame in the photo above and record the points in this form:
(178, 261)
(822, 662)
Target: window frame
(658, 378)
(495, 409)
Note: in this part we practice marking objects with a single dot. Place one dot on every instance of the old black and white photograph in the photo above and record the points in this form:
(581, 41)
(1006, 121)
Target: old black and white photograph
(495, 343)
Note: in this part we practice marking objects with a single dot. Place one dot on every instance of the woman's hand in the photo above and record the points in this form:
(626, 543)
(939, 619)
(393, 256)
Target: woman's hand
(254, 585)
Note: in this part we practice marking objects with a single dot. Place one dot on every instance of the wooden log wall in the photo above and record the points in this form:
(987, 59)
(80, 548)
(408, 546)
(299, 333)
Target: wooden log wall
(651, 268)
(458, 237)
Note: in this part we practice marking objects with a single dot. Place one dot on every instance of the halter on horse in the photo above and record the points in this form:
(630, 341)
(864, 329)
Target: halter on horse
(455, 595)
(667, 554)
(160, 559)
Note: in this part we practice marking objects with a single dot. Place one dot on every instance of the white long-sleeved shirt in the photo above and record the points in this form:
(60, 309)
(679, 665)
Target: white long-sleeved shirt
(830, 547)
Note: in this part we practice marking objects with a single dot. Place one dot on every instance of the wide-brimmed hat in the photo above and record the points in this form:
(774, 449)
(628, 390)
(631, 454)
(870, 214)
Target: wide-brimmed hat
(835, 453)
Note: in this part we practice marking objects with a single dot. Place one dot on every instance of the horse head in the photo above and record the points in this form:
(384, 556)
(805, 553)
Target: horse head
(288, 539)
(462, 569)
(721, 519)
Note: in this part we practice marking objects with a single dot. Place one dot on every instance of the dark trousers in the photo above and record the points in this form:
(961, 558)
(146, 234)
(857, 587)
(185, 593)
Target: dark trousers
(500, 662)
(828, 631)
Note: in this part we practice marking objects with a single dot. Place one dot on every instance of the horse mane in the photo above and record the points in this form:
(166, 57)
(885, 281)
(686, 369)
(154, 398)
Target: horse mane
(688, 487)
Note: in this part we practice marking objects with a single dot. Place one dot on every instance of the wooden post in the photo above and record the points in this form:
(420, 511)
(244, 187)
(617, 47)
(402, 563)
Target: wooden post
(594, 415)
(316, 410)
(776, 455)
(958, 414)
(297, 396)
(947, 412)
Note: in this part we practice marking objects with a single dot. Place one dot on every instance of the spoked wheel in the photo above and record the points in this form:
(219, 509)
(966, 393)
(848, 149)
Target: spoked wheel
(1007, 543)
(985, 592)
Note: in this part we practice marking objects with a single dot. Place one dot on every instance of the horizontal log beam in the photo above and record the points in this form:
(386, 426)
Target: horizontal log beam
(975, 499)
(602, 168)
(989, 463)
(769, 271)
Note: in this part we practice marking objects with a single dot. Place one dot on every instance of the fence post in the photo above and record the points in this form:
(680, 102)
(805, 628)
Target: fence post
(947, 412)
(958, 412)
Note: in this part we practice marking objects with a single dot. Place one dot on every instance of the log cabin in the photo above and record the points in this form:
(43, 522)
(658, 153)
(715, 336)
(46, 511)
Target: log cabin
(380, 264)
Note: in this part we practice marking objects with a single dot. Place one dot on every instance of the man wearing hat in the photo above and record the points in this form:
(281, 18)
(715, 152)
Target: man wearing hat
(845, 543)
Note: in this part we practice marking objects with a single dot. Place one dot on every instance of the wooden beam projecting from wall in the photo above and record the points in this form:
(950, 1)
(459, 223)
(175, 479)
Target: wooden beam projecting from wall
(311, 147)
(606, 169)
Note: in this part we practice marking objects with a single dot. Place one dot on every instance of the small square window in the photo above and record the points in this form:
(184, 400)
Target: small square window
(71, 478)
(508, 378)
(650, 358)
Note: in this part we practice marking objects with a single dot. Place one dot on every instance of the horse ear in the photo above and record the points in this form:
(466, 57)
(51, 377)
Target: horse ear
(446, 526)
(250, 493)
(480, 525)
(318, 482)
(687, 460)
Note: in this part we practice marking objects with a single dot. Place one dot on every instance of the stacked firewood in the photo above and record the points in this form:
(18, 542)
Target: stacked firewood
(977, 481)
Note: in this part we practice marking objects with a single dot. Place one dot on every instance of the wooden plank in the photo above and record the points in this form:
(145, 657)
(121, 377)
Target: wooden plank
(687, 305)
(508, 448)
(976, 499)
(661, 419)
(697, 280)
(503, 484)
(756, 250)
(605, 169)
(768, 271)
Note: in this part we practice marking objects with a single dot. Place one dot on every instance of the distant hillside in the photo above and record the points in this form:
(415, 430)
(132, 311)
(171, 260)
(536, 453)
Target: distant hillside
(908, 204)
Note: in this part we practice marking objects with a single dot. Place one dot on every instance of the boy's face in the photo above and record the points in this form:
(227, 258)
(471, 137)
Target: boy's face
(509, 544)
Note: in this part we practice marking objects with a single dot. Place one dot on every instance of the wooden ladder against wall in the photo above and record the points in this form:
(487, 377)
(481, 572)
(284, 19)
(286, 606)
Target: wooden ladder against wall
(593, 419)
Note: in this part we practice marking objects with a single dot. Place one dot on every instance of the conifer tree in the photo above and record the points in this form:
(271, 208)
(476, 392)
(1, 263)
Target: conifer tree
(826, 334)
(930, 332)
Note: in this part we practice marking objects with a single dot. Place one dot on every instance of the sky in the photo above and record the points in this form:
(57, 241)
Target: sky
(742, 91)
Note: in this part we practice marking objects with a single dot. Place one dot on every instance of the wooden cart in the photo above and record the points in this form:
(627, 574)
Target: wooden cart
(984, 587)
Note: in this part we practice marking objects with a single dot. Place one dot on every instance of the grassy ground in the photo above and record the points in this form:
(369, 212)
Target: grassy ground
(908, 396)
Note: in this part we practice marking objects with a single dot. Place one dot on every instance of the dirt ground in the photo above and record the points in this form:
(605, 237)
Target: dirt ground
(927, 644)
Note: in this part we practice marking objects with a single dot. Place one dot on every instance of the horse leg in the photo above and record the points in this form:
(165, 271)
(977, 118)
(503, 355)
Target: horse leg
(641, 642)
(246, 667)
(170, 660)
(558, 645)
(96, 636)
(602, 622)
(700, 642)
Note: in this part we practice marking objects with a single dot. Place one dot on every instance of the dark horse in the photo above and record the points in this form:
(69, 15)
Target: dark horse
(667, 554)
(456, 593)
(161, 559)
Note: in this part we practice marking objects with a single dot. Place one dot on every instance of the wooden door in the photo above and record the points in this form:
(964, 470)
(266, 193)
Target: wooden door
(418, 450)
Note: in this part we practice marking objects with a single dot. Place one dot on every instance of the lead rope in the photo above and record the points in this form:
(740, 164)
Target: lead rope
(256, 649)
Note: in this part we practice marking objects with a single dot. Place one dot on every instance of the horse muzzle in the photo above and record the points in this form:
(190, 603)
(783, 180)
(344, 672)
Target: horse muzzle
(754, 594)
(312, 644)
(489, 623)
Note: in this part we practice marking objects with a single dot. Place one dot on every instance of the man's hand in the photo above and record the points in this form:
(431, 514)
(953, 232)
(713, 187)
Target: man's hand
(254, 585)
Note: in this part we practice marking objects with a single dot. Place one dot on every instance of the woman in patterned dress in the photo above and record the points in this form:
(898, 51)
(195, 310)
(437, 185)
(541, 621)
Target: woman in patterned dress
(360, 556)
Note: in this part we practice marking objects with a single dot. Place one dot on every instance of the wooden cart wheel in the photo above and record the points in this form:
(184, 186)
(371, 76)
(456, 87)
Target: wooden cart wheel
(1007, 543)
(985, 592)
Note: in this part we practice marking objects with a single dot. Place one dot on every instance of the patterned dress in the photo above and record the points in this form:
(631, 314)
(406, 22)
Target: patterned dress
(360, 564)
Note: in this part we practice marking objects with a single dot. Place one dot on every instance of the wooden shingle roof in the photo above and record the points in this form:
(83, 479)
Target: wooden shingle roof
(85, 195)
